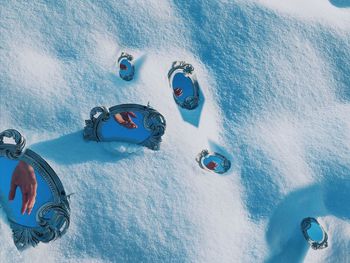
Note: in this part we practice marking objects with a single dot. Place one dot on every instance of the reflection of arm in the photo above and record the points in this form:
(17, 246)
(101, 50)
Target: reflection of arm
(212, 165)
(24, 177)
(124, 119)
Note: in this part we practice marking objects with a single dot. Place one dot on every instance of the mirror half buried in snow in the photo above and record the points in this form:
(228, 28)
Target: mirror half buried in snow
(184, 85)
(314, 233)
(126, 66)
(213, 162)
(31, 194)
(130, 123)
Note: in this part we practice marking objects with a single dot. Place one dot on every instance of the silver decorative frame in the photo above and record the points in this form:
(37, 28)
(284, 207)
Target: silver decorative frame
(190, 102)
(130, 58)
(305, 225)
(153, 121)
(49, 229)
(204, 153)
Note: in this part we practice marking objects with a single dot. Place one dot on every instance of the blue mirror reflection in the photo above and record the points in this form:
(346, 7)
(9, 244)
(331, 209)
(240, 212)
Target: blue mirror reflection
(125, 126)
(13, 208)
(214, 163)
(182, 87)
(126, 69)
(315, 232)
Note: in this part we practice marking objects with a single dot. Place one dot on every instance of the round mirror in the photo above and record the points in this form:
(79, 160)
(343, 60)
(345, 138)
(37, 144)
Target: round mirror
(31, 194)
(314, 233)
(213, 162)
(126, 66)
(184, 85)
(15, 171)
(130, 123)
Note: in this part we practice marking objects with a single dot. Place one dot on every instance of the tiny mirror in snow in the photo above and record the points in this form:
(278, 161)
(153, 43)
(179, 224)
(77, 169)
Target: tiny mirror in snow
(213, 162)
(314, 233)
(126, 66)
(31, 194)
(130, 123)
(184, 85)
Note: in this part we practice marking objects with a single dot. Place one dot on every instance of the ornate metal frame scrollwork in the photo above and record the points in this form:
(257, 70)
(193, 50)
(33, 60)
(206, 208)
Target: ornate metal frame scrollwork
(49, 228)
(305, 225)
(130, 58)
(153, 121)
(226, 164)
(190, 102)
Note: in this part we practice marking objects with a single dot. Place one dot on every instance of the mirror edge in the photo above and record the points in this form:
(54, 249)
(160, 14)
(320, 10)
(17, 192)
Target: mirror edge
(190, 102)
(49, 230)
(205, 153)
(153, 121)
(305, 225)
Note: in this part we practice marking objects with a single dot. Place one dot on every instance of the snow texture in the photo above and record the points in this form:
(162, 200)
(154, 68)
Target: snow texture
(276, 81)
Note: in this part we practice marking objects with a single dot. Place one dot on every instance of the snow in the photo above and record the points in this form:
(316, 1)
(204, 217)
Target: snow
(275, 78)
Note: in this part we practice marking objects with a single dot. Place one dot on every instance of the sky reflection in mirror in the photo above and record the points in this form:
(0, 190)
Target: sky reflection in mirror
(111, 130)
(182, 87)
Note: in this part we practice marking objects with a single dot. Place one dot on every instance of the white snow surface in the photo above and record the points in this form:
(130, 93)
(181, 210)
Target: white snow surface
(276, 82)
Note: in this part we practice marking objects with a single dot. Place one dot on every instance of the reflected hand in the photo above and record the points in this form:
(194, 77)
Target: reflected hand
(125, 120)
(24, 177)
(123, 67)
(212, 165)
(178, 92)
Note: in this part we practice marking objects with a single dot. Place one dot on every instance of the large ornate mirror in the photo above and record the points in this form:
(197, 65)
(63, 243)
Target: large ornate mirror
(314, 233)
(131, 123)
(126, 66)
(184, 85)
(31, 194)
(213, 162)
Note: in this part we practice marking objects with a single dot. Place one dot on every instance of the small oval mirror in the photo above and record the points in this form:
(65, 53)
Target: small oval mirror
(126, 66)
(314, 233)
(184, 85)
(130, 123)
(213, 162)
(31, 194)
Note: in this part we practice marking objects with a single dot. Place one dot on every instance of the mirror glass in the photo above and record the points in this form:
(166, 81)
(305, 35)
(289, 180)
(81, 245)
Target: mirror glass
(125, 126)
(315, 232)
(182, 87)
(31, 194)
(214, 163)
(15, 171)
(126, 69)
(132, 123)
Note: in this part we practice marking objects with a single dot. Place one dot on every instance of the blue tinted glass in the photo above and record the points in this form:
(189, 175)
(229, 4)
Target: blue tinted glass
(111, 130)
(212, 161)
(125, 68)
(180, 81)
(315, 232)
(13, 208)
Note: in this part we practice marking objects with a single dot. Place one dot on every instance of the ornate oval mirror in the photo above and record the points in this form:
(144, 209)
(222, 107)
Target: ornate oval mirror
(131, 123)
(213, 162)
(314, 233)
(184, 84)
(126, 66)
(31, 194)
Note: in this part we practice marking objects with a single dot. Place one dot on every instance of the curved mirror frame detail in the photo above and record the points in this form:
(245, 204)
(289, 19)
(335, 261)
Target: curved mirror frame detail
(213, 162)
(311, 234)
(182, 72)
(148, 131)
(126, 66)
(49, 221)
